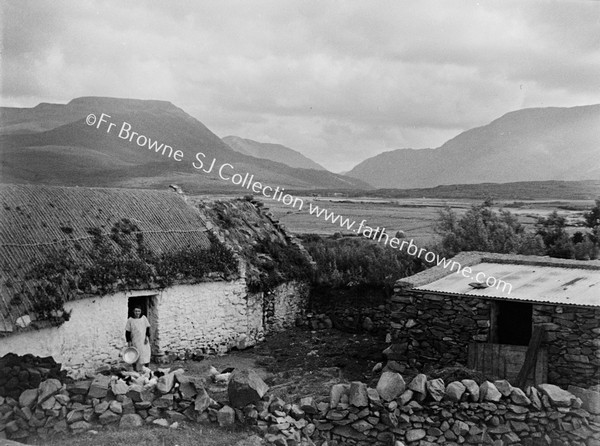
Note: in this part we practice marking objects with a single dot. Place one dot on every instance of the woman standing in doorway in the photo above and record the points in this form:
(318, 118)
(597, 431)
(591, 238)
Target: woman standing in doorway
(137, 333)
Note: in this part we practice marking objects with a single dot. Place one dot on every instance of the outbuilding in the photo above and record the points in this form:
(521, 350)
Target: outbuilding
(523, 318)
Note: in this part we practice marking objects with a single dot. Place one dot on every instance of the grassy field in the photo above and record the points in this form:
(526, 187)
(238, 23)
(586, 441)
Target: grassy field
(415, 216)
(189, 435)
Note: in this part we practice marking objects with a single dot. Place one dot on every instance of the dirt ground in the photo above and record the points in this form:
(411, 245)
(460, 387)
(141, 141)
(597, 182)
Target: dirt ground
(299, 362)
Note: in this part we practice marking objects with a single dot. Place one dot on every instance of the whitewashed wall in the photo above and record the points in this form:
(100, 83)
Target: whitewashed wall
(206, 318)
(93, 335)
(201, 319)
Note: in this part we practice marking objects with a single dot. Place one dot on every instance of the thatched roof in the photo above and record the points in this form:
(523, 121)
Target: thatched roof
(35, 220)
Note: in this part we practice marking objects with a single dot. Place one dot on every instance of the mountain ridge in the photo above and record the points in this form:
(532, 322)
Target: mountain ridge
(52, 144)
(273, 152)
(521, 145)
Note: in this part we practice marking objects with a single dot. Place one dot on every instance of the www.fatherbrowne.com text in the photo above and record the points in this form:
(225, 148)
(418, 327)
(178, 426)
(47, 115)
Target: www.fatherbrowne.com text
(227, 172)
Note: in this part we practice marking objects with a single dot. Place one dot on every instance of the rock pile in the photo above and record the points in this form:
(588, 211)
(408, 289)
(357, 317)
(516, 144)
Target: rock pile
(19, 373)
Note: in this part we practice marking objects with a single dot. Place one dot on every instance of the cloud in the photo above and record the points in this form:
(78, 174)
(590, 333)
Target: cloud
(338, 81)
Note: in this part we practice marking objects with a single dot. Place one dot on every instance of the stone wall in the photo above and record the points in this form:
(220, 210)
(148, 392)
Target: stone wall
(212, 318)
(284, 305)
(425, 412)
(573, 343)
(421, 412)
(201, 319)
(350, 309)
(429, 328)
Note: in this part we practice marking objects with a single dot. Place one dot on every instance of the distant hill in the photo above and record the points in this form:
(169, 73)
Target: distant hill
(534, 144)
(52, 144)
(526, 190)
(273, 152)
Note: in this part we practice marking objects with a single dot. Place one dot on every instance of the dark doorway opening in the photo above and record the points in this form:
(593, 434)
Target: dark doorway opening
(513, 323)
(138, 302)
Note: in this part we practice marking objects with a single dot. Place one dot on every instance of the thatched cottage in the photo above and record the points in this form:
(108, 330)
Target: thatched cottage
(542, 324)
(74, 261)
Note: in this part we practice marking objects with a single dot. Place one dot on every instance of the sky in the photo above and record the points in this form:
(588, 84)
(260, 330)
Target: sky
(339, 81)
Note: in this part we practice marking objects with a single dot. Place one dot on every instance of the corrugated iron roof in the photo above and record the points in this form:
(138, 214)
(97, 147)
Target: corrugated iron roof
(37, 219)
(532, 283)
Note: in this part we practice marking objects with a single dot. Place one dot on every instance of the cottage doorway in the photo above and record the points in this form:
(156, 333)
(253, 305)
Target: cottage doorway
(148, 304)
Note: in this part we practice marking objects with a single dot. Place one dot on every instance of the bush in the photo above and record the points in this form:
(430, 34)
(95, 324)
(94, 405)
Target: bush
(482, 229)
(349, 262)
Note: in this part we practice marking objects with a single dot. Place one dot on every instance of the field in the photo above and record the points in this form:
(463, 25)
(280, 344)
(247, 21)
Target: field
(415, 216)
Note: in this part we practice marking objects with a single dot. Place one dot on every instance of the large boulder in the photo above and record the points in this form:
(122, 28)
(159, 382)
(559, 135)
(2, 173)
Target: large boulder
(202, 401)
(166, 382)
(415, 434)
(131, 421)
(489, 392)
(472, 388)
(436, 389)
(336, 393)
(589, 397)
(99, 387)
(418, 383)
(245, 387)
(28, 397)
(518, 397)
(48, 388)
(557, 396)
(189, 386)
(358, 394)
(226, 416)
(119, 387)
(503, 387)
(390, 385)
(455, 391)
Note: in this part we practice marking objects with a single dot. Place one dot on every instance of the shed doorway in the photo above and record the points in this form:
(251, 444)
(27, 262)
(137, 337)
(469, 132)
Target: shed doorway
(511, 323)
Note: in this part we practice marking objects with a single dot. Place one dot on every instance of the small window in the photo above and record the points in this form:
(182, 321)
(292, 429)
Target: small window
(511, 323)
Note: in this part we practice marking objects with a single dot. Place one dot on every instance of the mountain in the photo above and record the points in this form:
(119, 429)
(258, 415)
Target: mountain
(273, 152)
(52, 144)
(533, 144)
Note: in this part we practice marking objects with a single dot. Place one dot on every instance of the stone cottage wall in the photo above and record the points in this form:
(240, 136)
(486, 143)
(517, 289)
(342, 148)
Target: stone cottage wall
(429, 328)
(204, 318)
(214, 317)
(573, 343)
(93, 335)
(284, 305)
(436, 329)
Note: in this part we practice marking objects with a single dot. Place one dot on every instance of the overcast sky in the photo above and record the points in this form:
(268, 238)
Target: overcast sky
(339, 81)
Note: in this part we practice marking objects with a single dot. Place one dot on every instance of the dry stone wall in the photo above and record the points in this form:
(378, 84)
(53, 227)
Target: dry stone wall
(284, 305)
(350, 309)
(573, 343)
(419, 412)
(427, 327)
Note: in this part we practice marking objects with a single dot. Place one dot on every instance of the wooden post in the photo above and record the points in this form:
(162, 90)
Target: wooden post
(531, 355)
